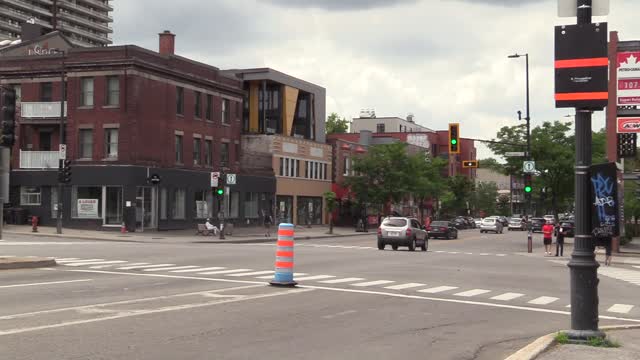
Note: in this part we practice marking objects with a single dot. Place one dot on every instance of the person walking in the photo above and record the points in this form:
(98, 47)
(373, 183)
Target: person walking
(547, 233)
(267, 221)
(560, 241)
(606, 243)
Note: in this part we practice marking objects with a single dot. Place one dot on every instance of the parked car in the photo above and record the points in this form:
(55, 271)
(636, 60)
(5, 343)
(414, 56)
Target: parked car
(550, 218)
(536, 224)
(442, 229)
(503, 220)
(478, 221)
(471, 221)
(402, 231)
(460, 223)
(491, 224)
(569, 228)
(517, 224)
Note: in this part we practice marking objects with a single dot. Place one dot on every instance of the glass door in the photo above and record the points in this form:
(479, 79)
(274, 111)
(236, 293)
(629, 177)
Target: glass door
(146, 208)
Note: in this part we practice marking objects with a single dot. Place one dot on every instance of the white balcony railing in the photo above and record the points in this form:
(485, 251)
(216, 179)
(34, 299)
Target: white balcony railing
(34, 110)
(39, 159)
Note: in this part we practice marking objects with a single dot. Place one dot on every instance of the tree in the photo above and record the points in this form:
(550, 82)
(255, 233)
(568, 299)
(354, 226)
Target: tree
(336, 125)
(503, 205)
(330, 200)
(484, 197)
(460, 188)
(426, 181)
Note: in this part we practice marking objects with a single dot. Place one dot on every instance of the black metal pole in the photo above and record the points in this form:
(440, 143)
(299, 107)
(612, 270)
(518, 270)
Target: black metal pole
(62, 141)
(583, 265)
(526, 56)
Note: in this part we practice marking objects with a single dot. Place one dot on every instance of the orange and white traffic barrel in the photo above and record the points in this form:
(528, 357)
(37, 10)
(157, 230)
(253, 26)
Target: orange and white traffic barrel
(284, 257)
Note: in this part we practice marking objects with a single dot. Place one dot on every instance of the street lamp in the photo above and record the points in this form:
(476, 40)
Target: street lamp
(528, 117)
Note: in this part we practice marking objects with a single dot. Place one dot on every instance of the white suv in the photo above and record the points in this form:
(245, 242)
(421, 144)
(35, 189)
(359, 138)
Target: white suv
(491, 224)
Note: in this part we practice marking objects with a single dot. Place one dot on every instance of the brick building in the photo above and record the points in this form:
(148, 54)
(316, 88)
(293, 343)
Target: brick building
(130, 113)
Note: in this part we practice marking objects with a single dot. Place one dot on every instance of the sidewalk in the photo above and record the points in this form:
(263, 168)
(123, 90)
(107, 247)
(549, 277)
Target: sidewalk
(628, 255)
(240, 235)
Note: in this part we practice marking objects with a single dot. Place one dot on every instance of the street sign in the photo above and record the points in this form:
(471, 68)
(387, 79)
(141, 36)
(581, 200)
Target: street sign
(231, 179)
(628, 125)
(569, 8)
(214, 178)
(529, 167)
(515, 153)
(154, 179)
(63, 151)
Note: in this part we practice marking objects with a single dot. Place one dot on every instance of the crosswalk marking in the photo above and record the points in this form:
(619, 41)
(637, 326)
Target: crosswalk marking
(404, 286)
(340, 281)
(110, 265)
(501, 254)
(224, 271)
(253, 273)
(484, 254)
(131, 267)
(438, 289)
(473, 292)
(543, 300)
(271, 276)
(316, 277)
(620, 308)
(373, 283)
(198, 269)
(507, 296)
(171, 268)
(95, 263)
(78, 260)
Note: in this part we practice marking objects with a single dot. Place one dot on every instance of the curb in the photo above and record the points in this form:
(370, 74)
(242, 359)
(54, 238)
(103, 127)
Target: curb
(543, 343)
(28, 264)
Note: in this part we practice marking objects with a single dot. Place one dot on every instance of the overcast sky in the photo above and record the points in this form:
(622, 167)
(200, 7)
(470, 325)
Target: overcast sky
(442, 60)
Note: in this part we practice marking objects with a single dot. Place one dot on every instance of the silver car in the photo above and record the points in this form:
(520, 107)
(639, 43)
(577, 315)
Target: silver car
(517, 224)
(402, 231)
(491, 224)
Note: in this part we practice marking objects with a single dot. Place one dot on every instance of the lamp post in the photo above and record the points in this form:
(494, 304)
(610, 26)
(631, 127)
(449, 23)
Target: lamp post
(528, 117)
(63, 91)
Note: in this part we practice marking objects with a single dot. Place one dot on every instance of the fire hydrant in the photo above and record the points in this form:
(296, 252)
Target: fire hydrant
(34, 224)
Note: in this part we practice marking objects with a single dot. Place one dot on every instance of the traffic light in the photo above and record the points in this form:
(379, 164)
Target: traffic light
(454, 140)
(7, 138)
(528, 188)
(64, 175)
(218, 191)
(470, 164)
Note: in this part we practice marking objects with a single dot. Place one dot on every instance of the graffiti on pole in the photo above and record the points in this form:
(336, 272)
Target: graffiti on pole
(605, 206)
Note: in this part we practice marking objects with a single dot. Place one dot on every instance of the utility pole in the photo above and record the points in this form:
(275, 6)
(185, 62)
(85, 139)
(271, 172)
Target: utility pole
(62, 141)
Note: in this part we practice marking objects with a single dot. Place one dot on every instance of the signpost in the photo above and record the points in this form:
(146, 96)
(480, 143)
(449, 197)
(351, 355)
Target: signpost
(215, 176)
(515, 153)
(63, 151)
(231, 179)
(529, 167)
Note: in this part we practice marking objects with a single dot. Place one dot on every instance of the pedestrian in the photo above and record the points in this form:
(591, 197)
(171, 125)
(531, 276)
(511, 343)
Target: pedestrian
(267, 220)
(212, 228)
(606, 243)
(547, 233)
(560, 241)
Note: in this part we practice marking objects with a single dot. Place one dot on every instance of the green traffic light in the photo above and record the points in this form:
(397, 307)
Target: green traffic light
(220, 192)
(454, 141)
(527, 189)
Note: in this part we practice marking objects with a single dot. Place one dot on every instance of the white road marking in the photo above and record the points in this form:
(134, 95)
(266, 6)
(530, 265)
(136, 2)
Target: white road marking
(501, 254)
(253, 273)
(271, 276)
(328, 317)
(453, 252)
(79, 260)
(507, 296)
(95, 263)
(315, 277)
(484, 254)
(131, 267)
(171, 268)
(620, 308)
(373, 283)
(543, 300)
(404, 286)
(110, 265)
(224, 271)
(62, 259)
(468, 253)
(438, 289)
(473, 292)
(340, 281)
(44, 283)
(199, 269)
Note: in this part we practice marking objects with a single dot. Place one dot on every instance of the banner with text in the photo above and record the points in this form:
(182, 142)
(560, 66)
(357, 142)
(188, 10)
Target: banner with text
(628, 78)
(605, 215)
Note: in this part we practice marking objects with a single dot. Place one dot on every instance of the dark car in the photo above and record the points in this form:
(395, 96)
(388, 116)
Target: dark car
(471, 221)
(442, 229)
(536, 224)
(568, 227)
(460, 223)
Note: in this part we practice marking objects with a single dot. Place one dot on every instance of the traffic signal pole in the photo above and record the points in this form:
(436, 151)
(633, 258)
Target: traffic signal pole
(62, 141)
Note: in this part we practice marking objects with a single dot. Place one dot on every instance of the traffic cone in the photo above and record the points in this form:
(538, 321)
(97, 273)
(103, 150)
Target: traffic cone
(284, 257)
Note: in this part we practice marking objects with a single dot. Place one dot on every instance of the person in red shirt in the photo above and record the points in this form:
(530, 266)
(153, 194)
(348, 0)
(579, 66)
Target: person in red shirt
(547, 233)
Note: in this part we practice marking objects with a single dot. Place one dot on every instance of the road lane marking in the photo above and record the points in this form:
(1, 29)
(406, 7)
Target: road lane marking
(110, 265)
(253, 273)
(199, 269)
(44, 283)
(438, 289)
(315, 277)
(620, 308)
(404, 286)
(468, 253)
(329, 317)
(484, 254)
(79, 260)
(224, 271)
(95, 263)
(474, 292)
(543, 300)
(501, 254)
(131, 267)
(373, 283)
(507, 296)
(340, 281)
(62, 259)
(171, 268)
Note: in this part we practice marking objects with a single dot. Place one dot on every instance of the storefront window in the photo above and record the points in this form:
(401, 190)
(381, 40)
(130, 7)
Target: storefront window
(234, 205)
(284, 209)
(202, 210)
(86, 202)
(163, 203)
(309, 210)
(177, 210)
(113, 205)
(251, 205)
(30, 195)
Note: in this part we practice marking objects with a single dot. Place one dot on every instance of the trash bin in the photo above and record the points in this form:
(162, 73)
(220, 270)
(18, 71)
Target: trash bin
(21, 216)
(228, 228)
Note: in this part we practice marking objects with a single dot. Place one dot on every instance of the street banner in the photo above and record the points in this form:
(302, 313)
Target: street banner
(605, 214)
(628, 66)
(628, 125)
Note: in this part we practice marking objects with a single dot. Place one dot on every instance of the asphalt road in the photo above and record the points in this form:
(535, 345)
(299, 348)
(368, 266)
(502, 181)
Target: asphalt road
(479, 297)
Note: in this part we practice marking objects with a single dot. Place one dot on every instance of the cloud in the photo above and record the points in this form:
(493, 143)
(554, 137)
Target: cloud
(340, 5)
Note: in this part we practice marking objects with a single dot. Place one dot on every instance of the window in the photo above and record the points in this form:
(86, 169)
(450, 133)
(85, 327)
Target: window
(237, 151)
(196, 150)
(281, 166)
(179, 100)
(86, 95)
(86, 143)
(30, 195)
(224, 154)
(178, 149)
(225, 111)
(346, 164)
(234, 204)
(297, 173)
(113, 91)
(251, 205)
(163, 204)
(111, 143)
(202, 211)
(324, 172)
(238, 106)
(208, 147)
(86, 202)
(380, 128)
(178, 201)
(209, 109)
(198, 104)
(46, 92)
(113, 205)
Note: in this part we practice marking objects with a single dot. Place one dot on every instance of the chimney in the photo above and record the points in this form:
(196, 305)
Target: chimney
(167, 43)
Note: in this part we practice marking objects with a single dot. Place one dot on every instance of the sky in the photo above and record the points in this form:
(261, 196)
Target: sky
(442, 60)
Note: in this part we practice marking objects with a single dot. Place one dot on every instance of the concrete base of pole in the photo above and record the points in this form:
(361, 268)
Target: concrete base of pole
(580, 336)
(283, 284)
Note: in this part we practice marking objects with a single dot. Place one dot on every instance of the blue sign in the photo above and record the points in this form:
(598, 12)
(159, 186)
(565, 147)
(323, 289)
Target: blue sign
(605, 215)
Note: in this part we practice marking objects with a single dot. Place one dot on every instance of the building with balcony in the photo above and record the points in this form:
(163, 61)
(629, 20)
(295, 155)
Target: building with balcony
(128, 114)
(83, 22)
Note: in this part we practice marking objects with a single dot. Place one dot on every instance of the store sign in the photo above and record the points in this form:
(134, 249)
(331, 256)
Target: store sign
(628, 78)
(87, 208)
(628, 125)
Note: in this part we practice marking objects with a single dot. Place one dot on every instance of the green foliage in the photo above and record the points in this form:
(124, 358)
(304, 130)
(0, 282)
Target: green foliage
(484, 197)
(330, 199)
(460, 189)
(562, 338)
(504, 205)
(602, 342)
(336, 125)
